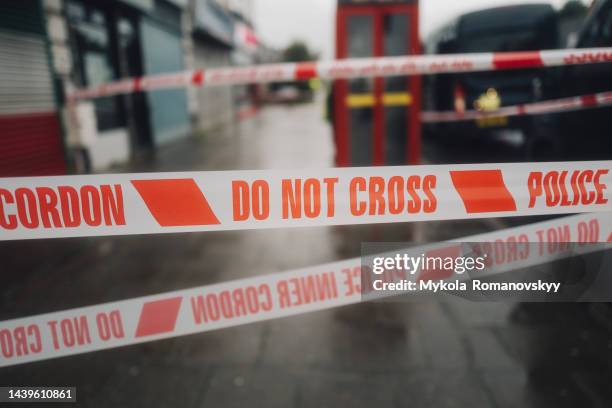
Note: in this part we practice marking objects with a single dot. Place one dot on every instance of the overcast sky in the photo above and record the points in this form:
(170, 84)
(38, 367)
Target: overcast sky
(278, 22)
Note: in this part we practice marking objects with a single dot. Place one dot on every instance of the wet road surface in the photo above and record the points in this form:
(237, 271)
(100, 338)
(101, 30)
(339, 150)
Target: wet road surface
(427, 354)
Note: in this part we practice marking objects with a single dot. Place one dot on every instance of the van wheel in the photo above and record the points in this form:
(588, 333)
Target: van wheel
(543, 147)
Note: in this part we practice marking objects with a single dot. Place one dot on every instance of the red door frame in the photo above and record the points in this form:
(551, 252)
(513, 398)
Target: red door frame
(341, 122)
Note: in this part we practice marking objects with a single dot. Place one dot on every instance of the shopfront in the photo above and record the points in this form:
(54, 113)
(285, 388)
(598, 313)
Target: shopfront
(118, 39)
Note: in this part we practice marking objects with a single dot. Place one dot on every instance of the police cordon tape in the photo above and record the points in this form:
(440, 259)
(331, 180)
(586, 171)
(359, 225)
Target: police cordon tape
(257, 299)
(349, 68)
(536, 108)
(152, 203)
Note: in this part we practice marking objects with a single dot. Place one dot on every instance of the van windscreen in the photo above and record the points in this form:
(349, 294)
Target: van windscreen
(518, 28)
(519, 40)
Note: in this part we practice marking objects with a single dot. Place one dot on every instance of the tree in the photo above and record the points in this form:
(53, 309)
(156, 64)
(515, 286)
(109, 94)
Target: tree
(573, 9)
(298, 51)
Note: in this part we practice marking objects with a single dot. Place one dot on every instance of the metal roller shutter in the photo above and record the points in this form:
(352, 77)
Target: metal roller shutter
(25, 80)
(30, 131)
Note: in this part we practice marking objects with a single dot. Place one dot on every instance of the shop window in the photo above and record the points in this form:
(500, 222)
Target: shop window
(91, 38)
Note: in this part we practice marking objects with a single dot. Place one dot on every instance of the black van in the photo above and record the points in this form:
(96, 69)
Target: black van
(583, 134)
(525, 27)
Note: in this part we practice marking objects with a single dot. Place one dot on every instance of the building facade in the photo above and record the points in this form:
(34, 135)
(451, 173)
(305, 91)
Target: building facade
(221, 34)
(48, 48)
(246, 98)
(211, 34)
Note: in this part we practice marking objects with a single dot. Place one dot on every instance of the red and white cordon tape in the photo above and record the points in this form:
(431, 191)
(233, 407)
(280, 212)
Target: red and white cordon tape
(537, 108)
(154, 203)
(350, 68)
(244, 301)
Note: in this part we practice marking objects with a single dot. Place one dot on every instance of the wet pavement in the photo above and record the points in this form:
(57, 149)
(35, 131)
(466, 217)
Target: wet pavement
(427, 354)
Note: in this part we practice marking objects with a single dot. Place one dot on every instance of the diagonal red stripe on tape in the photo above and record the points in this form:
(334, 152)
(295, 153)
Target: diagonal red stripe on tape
(158, 317)
(437, 272)
(197, 78)
(483, 191)
(176, 202)
(610, 238)
(588, 100)
(513, 60)
(305, 70)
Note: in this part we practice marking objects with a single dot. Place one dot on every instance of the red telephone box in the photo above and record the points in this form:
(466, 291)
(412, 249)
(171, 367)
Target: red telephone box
(376, 120)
